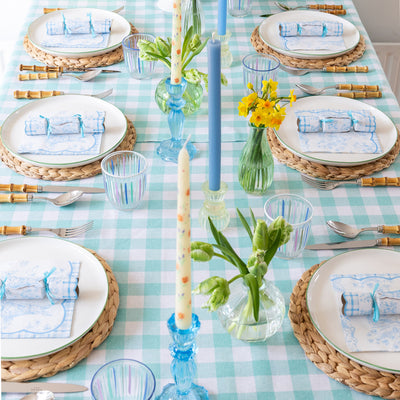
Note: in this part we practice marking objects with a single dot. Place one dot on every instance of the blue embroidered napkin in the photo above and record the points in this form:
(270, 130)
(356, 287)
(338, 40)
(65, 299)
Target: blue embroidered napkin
(337, 131)
(38, 299)
(312, 35)
(363, 332)
(63, 134)
(84, 32)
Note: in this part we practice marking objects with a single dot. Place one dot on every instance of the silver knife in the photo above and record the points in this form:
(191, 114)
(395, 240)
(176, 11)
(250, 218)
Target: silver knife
(41, 94)
(355, 244)
(11, 187)
(26, 387)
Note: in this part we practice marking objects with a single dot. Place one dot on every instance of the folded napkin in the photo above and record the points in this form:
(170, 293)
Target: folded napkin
(312, 35)
(370, 310)
(63, 134)
(38, 299)
(77, 32)
(337, 131)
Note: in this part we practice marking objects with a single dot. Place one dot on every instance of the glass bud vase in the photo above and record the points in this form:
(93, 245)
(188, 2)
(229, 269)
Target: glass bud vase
(192, 12)
(256, 164)
(193, 96)
(236, 316)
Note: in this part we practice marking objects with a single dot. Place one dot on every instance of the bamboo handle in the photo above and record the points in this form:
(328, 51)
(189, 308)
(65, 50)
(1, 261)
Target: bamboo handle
(13, 230)
(11, 187)
(387, 241)
(49, 10)
(44, 75)
(334, 12)
(325, 7)
(391, 229)
(360, 95)
(38, 94)
(365, 88)
(13, 198)
(40, 68)
(355, 68)
(380, 181)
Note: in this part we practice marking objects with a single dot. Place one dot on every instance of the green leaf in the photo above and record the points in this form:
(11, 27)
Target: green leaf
(186, 41)
(252, 283)
(273, 249)
(253, 218)
(245, 224)
(194, 54)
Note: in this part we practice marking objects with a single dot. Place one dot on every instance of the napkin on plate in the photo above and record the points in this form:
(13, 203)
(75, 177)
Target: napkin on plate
(38, 299)
(361, 332)
(63, 134)
(77, 32)
(312, 35)
(337, 131)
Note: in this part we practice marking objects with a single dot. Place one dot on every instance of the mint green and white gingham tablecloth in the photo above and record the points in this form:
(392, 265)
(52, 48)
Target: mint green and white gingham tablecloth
(140, 246)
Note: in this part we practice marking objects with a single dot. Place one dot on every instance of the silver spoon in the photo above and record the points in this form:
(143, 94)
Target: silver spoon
(350, 232)
(87, 76)
(41, 395)
(62, 200)
(315, 91)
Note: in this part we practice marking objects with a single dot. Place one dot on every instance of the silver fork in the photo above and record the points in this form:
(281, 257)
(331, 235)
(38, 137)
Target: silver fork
(62, 232)
(326, 185)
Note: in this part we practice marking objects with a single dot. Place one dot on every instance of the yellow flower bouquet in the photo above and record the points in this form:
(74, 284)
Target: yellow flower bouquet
(256, 165)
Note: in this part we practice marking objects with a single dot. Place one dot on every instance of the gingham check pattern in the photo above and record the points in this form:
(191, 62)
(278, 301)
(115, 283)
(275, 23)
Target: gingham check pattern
(140, 246)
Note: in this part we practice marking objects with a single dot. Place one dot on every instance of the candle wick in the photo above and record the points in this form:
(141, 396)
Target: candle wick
(187, 140)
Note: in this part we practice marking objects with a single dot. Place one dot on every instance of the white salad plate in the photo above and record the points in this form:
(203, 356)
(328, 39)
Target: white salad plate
(12, 132)
(120, 28)
(288, 134)
(269, 33)
(93, 291)
(325, 311)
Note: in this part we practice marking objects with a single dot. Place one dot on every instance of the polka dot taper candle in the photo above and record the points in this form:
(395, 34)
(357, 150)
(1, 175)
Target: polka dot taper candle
(176, 56)
(183, 326)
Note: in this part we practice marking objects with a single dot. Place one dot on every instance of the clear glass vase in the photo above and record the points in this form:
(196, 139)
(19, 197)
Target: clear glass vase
(237, 318)
(193, 96)
(192, 12)
(256, 164)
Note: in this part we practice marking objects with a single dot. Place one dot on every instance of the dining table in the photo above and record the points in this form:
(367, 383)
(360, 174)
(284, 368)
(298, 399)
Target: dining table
(140, 245)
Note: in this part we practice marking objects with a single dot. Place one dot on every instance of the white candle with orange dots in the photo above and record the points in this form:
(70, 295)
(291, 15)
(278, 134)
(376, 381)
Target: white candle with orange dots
(183, 294)
(176, 51)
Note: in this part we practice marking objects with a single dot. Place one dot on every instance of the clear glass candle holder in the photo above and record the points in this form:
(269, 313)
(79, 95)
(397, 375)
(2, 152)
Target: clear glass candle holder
(239, 8)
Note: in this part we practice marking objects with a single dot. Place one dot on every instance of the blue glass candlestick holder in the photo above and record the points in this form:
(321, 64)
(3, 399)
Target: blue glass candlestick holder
(169, 149)
(183, 367)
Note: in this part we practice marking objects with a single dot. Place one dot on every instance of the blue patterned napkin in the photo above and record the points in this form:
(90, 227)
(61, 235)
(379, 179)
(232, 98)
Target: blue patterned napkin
(85, 32)
(337, 131)
(38, 299)
(364, 332)
(63, 134)
(312, 35)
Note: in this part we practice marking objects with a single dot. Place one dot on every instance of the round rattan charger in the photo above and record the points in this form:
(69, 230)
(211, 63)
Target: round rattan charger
(334, 364)
(26, 370)
(283, 155)
(102, 60)
(339, 61)
(63, 174)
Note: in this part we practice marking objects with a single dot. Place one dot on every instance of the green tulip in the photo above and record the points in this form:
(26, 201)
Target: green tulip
(163, 48)
(218, 290)
(257, 265)
(261, 240)
(200, 251)
(279, 225)
(194, 43)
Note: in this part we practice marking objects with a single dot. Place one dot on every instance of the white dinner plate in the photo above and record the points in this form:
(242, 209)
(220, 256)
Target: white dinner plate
(120, 28)
(269, 33)
(324, 310)
(93, 291)
(12, 132)
(288, 134)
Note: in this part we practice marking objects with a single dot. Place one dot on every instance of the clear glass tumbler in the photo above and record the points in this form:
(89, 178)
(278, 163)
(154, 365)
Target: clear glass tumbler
(258, 68)
(298, 212)
(137, 68)
(239, 8)
(124, 175)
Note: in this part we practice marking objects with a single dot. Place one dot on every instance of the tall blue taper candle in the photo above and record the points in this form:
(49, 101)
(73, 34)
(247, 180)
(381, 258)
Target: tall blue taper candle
(222, 17)
(214, 113)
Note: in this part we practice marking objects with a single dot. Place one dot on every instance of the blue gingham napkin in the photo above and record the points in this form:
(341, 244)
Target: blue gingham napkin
(63, 134)
(364, 332)
(312, 35)
(38, 299)
(337, 131)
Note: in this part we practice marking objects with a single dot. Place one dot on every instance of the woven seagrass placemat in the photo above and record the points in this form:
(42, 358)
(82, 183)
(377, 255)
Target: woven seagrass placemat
(102, 60)
(26, 370)
(283, 155)
(339, 61)
(63, 174)
(334, 364)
